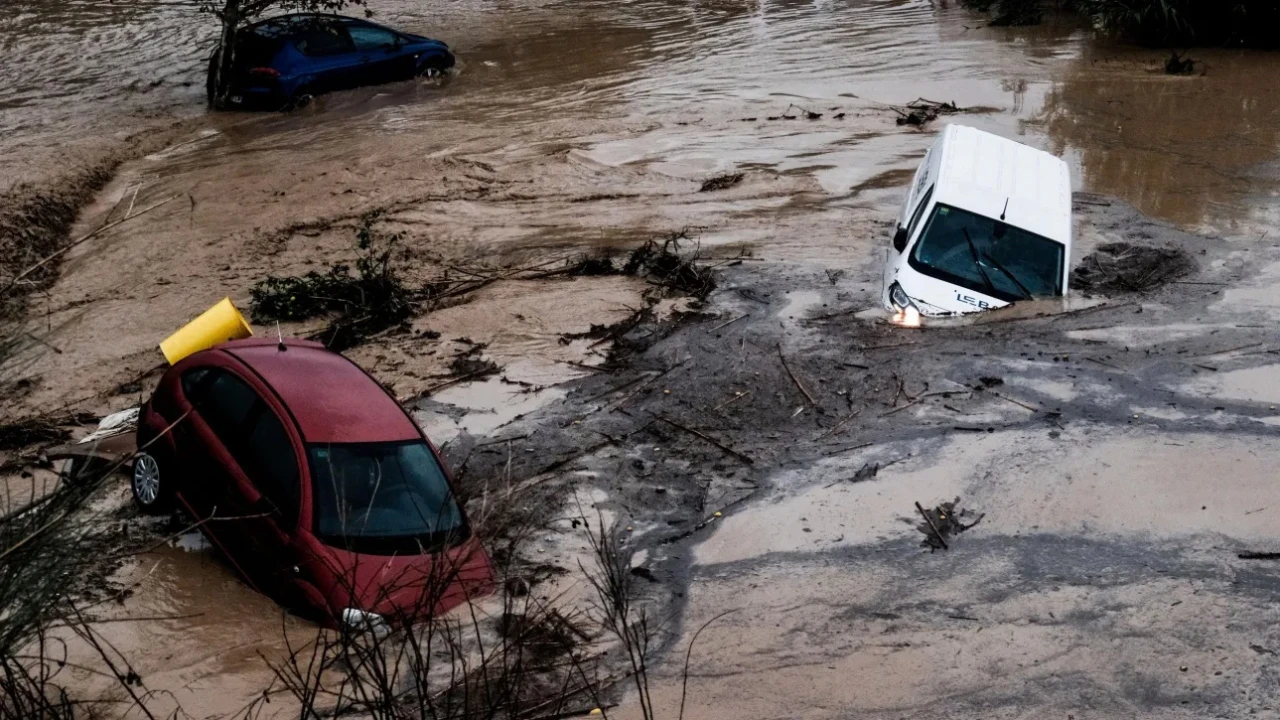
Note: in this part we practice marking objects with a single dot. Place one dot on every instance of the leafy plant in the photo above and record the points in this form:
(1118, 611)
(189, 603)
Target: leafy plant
(369, 300)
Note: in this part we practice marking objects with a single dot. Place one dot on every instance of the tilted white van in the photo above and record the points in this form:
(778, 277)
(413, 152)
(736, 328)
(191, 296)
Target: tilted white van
(987, 222)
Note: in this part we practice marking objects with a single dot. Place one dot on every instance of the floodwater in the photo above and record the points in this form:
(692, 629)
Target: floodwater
(569, 127)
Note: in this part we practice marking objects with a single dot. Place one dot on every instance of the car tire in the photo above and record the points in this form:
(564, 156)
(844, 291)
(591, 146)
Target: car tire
(299, 101)
(151, 486)
(433, 67)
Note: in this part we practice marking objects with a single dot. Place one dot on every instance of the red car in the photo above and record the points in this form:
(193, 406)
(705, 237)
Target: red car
(312, 480)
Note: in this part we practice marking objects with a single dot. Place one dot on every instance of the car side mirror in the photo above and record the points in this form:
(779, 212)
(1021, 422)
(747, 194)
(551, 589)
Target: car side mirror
(900, 239)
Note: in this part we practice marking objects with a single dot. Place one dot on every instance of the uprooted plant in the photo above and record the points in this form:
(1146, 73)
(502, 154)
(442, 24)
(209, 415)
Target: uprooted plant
(368, 300)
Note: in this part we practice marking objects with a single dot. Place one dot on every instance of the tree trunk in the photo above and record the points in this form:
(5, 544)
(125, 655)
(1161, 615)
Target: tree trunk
(224, 58)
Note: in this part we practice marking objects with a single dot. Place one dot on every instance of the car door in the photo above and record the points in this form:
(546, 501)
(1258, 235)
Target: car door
(256, 460)
(271, 461)
(332, 60)
(221, 405)
(198, 474)
(382, 58)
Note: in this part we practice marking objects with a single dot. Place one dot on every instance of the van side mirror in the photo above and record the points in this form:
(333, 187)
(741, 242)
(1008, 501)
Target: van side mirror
(900, 239)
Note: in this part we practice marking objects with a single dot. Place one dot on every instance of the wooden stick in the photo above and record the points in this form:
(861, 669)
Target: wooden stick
(795, 379)
(840, 426)
(933, 527)
(708, 438)
(900, 409)
(1015, 402)
(727, 324)
(735, 398)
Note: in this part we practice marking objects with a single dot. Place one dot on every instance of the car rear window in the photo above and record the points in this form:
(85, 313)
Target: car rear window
(383, 498)
(256, 50)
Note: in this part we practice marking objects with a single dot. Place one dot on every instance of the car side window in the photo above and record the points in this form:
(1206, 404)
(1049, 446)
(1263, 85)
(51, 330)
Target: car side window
(225, 404)
(269, 461)
(915, 217)
(319, 39)
(254, 436)
(194, 382)
(367, 37)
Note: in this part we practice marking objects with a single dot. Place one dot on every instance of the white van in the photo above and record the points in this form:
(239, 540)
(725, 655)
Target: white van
(987, 222)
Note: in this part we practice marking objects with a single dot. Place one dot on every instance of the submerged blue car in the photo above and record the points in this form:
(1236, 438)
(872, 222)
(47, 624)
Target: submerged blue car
(284, 61)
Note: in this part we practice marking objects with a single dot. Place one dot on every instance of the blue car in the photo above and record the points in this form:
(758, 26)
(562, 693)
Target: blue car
(284, 61)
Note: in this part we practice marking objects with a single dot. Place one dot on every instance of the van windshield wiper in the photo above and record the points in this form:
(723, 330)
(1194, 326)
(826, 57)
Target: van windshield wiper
(1026, 294)
(973, 253)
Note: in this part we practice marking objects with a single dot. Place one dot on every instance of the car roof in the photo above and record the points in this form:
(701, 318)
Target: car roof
(981, 172)
(331, 398)
(292, 22)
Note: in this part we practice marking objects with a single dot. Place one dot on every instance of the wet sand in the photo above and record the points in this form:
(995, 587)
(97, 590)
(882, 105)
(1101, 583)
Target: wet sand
(590, 127)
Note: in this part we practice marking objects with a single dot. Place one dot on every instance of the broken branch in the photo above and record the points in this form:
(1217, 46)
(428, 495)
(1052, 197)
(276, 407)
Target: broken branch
(795, 379)
(932, 526)
(708, 438)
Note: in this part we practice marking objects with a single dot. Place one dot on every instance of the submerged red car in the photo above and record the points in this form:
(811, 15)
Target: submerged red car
(313, 481)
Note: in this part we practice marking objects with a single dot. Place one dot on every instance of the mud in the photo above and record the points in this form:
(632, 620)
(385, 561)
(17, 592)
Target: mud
(1117, 268)
(1121, 463)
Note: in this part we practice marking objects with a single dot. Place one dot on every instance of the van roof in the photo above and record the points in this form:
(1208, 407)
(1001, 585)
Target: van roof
(981, 172)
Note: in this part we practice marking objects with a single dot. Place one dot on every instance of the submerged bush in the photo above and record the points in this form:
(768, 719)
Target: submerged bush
(367, 301)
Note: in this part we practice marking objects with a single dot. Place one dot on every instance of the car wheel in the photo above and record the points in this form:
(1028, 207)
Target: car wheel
(300, 100)
(150, 484)
(433, 67)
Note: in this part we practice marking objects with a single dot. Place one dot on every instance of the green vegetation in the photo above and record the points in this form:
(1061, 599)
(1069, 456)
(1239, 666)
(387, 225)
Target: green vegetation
(1252, 23)
(372, 299)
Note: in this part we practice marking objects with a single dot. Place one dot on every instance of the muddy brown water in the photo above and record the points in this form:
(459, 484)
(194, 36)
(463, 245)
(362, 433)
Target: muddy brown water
(568, 127)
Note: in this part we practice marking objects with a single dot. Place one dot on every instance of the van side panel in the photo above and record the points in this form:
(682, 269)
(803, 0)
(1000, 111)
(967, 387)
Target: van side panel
(925, 176)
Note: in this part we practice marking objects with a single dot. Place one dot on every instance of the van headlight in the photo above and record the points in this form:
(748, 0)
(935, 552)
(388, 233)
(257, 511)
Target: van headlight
(901, 301)
(906, 313)
(361, 621)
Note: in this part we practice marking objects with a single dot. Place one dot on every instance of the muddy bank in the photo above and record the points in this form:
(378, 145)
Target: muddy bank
(37, 217)
(732, 452)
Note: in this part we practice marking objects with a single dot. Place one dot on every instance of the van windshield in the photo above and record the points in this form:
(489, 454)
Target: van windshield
(383, 498)
(988, 256)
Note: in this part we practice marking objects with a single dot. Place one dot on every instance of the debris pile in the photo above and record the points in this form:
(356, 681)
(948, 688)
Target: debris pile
(472, 363)
(1179, 64)
(663, 264)
(921, 112)
(371, 299)
(721, 182)
(1121, 267)
(943, 523)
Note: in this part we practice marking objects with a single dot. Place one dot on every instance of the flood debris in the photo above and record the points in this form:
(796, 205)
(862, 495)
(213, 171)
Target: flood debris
(1122, 267)
(360, 303)
(1010, 13)
(721, 182)
(1255, 555)
(921, 112)
(471, 363)
(1180, 64)
(942, 523)
(31, 431)
(789, 115)
(665, 266)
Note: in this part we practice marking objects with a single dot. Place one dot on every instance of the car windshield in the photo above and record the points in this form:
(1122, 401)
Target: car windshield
(988, 256)
(383, 498)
